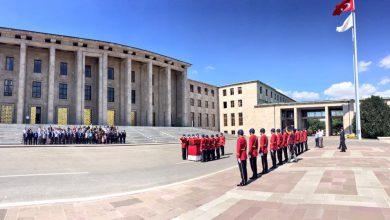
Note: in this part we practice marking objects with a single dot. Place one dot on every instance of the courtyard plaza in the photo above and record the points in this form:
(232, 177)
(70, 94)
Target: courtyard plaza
(151, 182)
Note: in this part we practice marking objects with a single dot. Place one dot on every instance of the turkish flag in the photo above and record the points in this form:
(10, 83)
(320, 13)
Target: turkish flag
(344, 6)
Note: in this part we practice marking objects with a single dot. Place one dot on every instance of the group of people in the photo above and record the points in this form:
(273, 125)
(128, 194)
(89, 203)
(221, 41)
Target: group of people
(211, 147)
(319, 138)
(282, 145)
(74, 135)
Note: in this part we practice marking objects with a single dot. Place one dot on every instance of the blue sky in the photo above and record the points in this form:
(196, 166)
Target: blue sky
(290, 44)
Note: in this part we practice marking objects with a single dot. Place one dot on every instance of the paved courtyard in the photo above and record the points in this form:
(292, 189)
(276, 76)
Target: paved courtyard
(323, 184)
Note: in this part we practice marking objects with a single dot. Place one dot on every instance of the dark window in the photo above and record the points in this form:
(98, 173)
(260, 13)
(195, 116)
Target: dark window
(233, 119)
(63, 91)
(213, 120)
(225, 120)
(110, 73)
(233, 132)
(192, 102)
(232, 91)
(240, 103)
(8, 85)
(88, 71)
(152, 98)
(133, 96)
(200, 120)
(206, 92)
(110, 94)
(63, 69)
(271, 94)
(191, 88)
(266, 92)
(87, 92)
(37, 66)
(206, 103)
(132, 76)
(9, 63)
(232, 104)
(239, 90)
(207, 120)
(212, 92)
(213, 105)
(199, 103)
(261, 90)
(224, 92)
(199, 90)
(224, 104)
(240, 119)
(36, 89)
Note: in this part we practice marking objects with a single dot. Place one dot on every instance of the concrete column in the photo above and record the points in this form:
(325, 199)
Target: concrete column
(22, 84)
(127, 95)
(168, 110)
(50, 91)
(149, 94)
(184, 100)
(296, 118)
(103, 89)
(327, 121)
(79, 87)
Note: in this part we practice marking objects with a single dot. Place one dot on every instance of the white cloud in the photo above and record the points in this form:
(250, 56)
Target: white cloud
(385, 62)
(209, 68)
(363, 65)
(346, 90)
(384, 93)
(301, 95)
(384, 81)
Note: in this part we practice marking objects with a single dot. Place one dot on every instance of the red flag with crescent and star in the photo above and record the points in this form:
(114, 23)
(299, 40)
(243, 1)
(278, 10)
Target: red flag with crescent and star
(344, 6)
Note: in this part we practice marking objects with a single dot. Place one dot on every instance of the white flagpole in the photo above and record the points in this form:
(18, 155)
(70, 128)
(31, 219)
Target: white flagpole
(356, 77)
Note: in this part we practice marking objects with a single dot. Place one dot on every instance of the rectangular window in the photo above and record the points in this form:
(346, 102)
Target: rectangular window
(9, 63)
(192, 102)
(233, 132)
(191, 88)
(87, 92)
(206, 103)
(88, 71)
(266, 92)
(63, 91)
(224, 92)
(212, 92)
(271, 94)
(200, 120)
(132, 76)
(199, 90)
(224, 104)
(261, 90)
(239, 90)
(207, 120)
(63, 69)
(37, 66)
(110, 73)
(225, 120)
(199, 103)
(152, 98)
(36, 89)
(213, 105)
(233, 119)
(232, 104)
(192, 119)
(206, 92)
(240, 103)
(110, 94)
(232, 91)
(240, 119)
(8, 86)
(213, 120)
(133, 96)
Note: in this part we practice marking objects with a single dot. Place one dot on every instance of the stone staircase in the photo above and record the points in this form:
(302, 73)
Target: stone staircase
(11, 134)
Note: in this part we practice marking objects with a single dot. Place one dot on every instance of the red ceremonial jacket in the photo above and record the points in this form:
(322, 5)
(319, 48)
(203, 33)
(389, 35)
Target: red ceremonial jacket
(297, 137)
(184, 142)
(241, 148)
(202, 144)
(304, 135)
(263, 144)
(222, 141)
(291, 138)
(273, 144)
(279, 141)
(216, 142)
(253, 146)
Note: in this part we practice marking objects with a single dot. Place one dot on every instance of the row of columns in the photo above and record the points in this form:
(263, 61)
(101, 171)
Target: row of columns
(297, 119)
(102, 89)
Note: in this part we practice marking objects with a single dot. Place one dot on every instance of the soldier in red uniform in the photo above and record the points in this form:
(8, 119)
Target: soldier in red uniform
(207, 144)
(217, 146)
(184, 146)
(300, 141)
(291, 144)
(222, 144)
(273, 147)
(202, 145)
(241, 157)
(305, 139)
(253, 152)
(212, 147)
(285, 145)
(296, 141)
(263, 150)
(279, 142)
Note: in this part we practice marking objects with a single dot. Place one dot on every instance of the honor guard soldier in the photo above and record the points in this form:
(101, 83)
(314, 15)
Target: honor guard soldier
(253, 152)
(217, 146)
(273, 147)
(202, 147)
(241, 157)
(279, 142)
(184, 146)
(212, 147)
(291, 144)
(285, 145)
(296, 142)
(301, 140)
(222, 144)
(305, 139)
(207, 143)
(263, 150)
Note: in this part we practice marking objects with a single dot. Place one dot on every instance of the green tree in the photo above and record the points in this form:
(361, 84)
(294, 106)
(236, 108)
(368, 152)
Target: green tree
(314, 124)
(375, 117)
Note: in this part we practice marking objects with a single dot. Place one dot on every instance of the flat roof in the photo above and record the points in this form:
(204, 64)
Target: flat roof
(98, 41)
(196, 81)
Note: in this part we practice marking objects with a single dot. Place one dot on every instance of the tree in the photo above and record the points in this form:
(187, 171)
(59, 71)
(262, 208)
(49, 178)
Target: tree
(314, 124)
(375, 117)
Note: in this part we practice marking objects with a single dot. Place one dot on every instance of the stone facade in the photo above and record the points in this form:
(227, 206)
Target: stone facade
(204, 106)
(158, 82)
